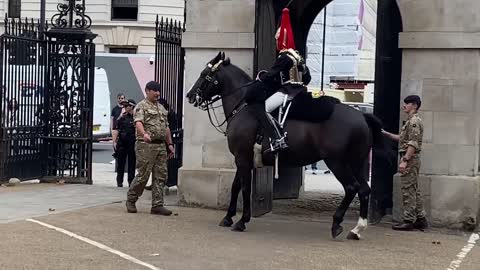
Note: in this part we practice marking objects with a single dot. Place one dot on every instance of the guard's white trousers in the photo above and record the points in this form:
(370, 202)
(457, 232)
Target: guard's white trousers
(275, 100)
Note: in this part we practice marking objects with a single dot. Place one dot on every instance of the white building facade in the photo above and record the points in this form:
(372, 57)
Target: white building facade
(123, 26)
(349, 41)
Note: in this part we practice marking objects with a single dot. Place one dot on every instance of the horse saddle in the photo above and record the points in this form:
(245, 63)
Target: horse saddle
(305, 107)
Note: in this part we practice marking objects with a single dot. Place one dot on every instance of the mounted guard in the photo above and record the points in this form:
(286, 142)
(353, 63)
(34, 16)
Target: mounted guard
(288, 77)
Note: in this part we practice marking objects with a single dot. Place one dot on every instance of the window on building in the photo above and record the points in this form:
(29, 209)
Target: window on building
(14, 8)
(125, 10)
(128, 50)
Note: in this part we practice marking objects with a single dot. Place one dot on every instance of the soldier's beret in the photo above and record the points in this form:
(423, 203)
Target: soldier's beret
(153, 85)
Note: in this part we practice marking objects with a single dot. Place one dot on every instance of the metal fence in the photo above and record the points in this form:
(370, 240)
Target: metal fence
(46, 99)
(169, 72)
(22, 81)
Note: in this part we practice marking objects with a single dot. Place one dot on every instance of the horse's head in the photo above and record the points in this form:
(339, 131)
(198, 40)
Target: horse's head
(208, 84)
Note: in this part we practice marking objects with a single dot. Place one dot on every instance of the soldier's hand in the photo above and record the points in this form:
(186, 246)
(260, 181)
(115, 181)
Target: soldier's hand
(171, 152)
(147, 138)
(114, 146)
(402, 168)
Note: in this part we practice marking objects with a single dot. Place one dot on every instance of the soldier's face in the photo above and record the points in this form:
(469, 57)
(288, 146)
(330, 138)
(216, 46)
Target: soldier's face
(409, 107)
(152, 95)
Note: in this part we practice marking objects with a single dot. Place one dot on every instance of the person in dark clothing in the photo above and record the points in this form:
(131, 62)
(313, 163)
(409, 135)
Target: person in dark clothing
(114, 115)
(124, 142)
(117, 111)
(285, 79)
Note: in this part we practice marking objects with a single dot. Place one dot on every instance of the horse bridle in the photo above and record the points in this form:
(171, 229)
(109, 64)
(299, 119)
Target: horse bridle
(204, 102)
(210, 82)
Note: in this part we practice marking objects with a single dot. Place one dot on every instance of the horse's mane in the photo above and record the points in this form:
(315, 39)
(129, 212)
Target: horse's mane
(237, 70)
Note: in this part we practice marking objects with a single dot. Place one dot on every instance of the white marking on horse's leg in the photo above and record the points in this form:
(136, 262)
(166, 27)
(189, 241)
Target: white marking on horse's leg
(361, 226)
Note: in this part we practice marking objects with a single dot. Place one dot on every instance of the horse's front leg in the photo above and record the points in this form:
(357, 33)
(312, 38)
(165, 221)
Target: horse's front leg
(232, 208)
(246, 181)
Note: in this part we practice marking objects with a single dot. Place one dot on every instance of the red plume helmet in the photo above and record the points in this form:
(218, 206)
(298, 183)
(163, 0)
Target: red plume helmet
(285, 39)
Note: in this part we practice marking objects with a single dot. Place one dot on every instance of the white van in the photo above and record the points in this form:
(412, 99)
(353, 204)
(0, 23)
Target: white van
(101, 106)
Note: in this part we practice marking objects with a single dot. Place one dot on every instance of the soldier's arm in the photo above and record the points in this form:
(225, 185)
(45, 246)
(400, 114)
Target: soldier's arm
(415, 133)
(410, 152)
(272, 77)
(140, 128)
(414, 137)
(138, 118)
(392, 136)
(168, 136)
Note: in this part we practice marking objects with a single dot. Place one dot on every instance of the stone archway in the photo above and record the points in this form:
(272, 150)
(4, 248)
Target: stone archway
(440, 62)
(387, 77)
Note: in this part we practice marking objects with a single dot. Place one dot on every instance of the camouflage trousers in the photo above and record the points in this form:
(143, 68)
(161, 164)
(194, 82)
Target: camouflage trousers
(151, 158)
(412, 198)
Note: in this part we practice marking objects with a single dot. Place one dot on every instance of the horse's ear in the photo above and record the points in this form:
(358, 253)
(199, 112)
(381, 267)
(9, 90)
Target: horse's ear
(223, 56)
(216, 59)
(227, 61)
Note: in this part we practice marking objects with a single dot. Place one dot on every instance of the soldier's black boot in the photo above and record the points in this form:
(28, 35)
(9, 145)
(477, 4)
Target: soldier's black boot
(160, 210)
(405, 226)
(131, 208)
(421, 224)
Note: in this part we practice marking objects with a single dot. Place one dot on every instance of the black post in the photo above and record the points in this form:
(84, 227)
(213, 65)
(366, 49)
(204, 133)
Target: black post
(388, 70)
(323, 46)
(42, 18)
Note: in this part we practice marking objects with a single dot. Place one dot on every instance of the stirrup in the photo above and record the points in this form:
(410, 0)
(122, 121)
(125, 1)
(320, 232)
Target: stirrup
(278, 144)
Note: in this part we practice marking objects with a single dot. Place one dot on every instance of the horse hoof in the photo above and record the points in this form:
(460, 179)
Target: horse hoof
(239, 227)
(226, 222)
(336, 231)
(353, 236)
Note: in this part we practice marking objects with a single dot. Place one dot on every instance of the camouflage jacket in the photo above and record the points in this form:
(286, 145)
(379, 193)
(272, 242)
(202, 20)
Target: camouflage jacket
(412, 134)
(154, 119)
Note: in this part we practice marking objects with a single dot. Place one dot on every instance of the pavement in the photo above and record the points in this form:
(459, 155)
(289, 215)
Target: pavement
(52, 226)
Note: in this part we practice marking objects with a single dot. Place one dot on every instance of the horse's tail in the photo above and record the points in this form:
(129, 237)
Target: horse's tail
(382, 149)
(375, 126)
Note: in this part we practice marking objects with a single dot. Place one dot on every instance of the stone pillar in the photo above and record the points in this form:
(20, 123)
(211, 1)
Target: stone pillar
(211, 26)
(441, 63)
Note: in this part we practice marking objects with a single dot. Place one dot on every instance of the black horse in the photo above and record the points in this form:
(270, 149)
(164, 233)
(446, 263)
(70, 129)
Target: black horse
(343, 141)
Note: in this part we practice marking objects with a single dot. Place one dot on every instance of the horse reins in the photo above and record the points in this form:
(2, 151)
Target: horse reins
(236, 109)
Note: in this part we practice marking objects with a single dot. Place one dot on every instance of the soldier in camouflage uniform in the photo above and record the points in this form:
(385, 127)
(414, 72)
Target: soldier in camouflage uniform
(152, 133)
(410, 139)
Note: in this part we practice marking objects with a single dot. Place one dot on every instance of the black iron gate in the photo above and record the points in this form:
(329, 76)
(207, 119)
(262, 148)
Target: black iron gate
(22, 81)
(169, 71)
(46, 97)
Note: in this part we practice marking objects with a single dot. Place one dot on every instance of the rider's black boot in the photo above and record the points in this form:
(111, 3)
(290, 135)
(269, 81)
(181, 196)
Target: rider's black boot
(279, 141)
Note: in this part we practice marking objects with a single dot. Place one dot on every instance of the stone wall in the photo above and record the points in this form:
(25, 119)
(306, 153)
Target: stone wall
(441, 63)
(212, 26)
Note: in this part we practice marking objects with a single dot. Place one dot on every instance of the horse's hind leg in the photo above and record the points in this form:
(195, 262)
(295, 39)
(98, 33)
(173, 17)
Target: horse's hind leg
(362, 174)
(345, 175)
(232, 208)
